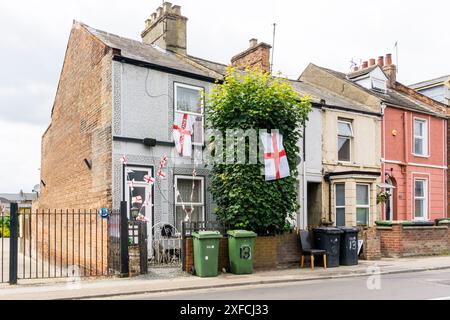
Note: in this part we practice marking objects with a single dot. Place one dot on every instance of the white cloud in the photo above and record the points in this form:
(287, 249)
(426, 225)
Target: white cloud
(20, 146)
(327, 32)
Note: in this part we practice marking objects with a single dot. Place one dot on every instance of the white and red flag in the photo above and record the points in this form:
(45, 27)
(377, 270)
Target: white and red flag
(137, 199)
(275, 159)
(149, 179)
(182, 133)
(163, 162)
(124, 160)
(161, 174)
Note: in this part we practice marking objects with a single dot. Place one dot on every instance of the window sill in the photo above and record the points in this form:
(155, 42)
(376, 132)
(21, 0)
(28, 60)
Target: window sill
(421, 155)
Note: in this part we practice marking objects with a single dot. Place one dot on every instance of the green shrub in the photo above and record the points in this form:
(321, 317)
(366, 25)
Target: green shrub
(5, 224)
(255, 100)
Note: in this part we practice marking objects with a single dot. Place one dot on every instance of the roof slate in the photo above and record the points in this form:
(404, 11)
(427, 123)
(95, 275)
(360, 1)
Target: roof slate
(137, 50)
(391, 97)
(431, 82)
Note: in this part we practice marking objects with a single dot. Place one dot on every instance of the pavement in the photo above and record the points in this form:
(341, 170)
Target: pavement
(116, 287)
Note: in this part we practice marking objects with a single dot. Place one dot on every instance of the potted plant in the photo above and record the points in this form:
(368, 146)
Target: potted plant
(383, 197)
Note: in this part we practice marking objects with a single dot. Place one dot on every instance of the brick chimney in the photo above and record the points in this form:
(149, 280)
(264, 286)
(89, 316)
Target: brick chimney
(166, 28)
(256, 56)
(390, 70)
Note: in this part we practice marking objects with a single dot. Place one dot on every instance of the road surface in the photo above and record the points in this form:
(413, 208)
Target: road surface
(417, 286)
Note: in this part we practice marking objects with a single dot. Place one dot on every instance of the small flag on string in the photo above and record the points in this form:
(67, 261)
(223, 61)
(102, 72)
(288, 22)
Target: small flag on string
(161, 174)
(163, 161)
(137, 199)
(149, 179)
(142, 218)
(124, 160)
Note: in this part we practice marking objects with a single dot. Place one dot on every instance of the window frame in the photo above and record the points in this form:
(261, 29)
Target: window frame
(424, 138)
(335, 201)
(424, 198)
(350, 138)
(177, 85)
(360, 206)
(202, 194)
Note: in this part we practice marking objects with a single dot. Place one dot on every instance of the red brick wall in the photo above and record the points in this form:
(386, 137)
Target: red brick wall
(223, 254)
(448, 171)
(404, 241)
(372, 243)
(256, 57)
(80, 129)
(270, 252)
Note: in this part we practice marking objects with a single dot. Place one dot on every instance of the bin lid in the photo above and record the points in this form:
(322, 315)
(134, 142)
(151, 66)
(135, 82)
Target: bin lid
(207, 235)
(242, 234)
(328, 230)
(349, 229)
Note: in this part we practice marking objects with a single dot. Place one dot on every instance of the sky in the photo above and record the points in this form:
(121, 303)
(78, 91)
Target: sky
(330, 33)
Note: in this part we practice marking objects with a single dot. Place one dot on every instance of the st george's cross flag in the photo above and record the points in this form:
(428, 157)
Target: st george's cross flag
(275, 159)
(137, 200)
(182, 133)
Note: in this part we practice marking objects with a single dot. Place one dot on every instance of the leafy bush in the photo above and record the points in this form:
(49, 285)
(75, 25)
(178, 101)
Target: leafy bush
(256, 100)
(5, 224)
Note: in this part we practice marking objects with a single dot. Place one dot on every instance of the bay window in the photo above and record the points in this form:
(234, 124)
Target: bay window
(362, 204)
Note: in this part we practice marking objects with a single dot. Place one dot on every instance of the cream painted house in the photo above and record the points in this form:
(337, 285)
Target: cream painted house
(351, 154)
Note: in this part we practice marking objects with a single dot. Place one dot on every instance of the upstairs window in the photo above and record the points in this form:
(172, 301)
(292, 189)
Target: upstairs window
(345, 135)
(420, 137)
(188, 99)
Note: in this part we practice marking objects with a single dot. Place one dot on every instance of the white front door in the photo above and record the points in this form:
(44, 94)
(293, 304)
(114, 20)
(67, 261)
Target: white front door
(139, 194)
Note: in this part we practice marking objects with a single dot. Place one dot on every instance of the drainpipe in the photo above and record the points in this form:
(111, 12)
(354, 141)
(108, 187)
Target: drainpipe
(330, 210)
(383, 150)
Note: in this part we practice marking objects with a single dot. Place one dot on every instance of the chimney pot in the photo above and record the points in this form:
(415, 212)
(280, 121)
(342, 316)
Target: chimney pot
(166, 28)
(365, 64)
(176, 10)
(159, 12)
(371, 62)
(167, 7)
(388, 59)
(253, 42)
(381, 61)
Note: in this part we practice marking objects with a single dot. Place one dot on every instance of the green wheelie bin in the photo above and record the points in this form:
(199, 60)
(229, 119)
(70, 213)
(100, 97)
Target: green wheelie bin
(241, 245)
(206, 253)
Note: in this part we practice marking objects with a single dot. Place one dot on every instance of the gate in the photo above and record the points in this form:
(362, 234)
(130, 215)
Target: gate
(166, 247)
(62, 244)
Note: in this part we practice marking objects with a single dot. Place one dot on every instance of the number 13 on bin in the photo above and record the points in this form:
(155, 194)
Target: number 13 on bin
(246, 252)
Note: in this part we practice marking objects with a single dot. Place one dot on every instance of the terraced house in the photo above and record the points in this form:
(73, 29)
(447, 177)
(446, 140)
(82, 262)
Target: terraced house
(413, 138)
(117, 99)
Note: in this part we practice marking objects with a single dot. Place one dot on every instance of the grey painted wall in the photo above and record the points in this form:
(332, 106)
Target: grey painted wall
(144, 108)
